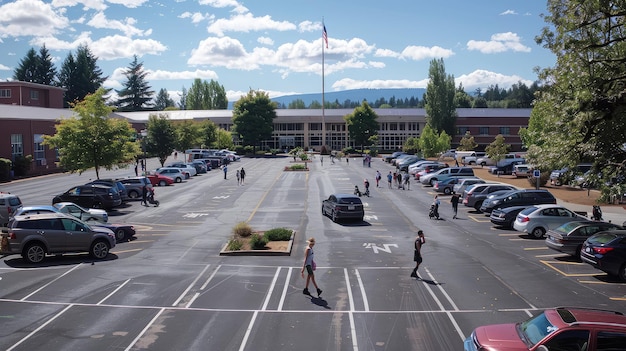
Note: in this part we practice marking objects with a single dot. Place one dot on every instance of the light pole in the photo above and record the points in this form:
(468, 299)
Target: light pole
(144, 164)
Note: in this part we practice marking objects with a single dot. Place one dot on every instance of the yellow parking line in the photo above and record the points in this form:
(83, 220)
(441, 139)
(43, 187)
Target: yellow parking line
(550, 264)
(478, 220)
(124, 251)
(509, 234)
(535, 248)
(552, 255)
(594, 282)
(618, 298)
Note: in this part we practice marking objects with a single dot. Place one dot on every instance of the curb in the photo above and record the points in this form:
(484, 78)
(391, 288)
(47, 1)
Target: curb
(225, 252)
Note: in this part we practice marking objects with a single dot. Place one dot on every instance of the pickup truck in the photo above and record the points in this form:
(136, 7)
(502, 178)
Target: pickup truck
(472, 159)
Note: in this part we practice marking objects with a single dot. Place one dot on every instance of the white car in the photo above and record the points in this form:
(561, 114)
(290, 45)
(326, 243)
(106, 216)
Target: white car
(70, 208)
(417, 166)
(185, 168)
(536, 220)
(174, 173)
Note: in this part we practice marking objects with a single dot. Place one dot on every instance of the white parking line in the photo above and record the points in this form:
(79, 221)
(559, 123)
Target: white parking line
(49, 283)
(40, 327)
(366, 304)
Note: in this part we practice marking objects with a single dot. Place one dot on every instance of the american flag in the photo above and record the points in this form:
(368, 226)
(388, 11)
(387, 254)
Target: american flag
(325, 35)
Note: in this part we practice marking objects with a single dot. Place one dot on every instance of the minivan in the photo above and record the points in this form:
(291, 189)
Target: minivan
(518, 198)
(9, 203)
(445, 173)
(91, 195)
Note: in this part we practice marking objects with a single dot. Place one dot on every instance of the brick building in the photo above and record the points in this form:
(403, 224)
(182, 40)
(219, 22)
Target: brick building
(31, 94)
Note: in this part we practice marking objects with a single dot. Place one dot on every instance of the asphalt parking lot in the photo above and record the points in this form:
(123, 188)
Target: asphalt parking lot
(170, 290)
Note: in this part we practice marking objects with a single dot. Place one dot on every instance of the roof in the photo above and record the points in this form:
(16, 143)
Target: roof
(34, 113)
(15, 83)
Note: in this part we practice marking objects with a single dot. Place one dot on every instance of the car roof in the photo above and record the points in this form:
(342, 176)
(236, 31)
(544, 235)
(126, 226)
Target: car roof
(38, 207)
(47, 215)
(579, 315)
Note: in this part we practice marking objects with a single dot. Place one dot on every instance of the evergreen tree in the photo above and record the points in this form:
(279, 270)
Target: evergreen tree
(80, 75)
(27, 70)
(46, 72)
(163, 100)
(136, 95)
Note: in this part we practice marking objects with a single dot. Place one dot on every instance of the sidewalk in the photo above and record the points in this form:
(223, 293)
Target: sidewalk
(614, 213)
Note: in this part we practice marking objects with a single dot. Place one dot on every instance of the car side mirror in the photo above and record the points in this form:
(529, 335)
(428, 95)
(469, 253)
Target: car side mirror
(5, 231)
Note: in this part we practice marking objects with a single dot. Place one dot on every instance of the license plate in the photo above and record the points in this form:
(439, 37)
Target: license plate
(350, 208)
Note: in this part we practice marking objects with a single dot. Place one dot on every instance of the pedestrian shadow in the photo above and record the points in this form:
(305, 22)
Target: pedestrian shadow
(428, 281)
(319, 301)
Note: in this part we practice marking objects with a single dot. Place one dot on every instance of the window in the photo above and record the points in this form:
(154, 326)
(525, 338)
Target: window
(17, 147)
(505, 130)
(569, 340)
(34, 95)
(5, 93)
(483, 131)
(40, 154)
(463, 130)
(611, 341)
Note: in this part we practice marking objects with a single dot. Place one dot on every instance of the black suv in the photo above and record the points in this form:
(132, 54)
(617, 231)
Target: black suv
(115, 184)
(518, 198)
(91, 195)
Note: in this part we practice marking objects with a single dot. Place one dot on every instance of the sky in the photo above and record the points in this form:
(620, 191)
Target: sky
(277, 45)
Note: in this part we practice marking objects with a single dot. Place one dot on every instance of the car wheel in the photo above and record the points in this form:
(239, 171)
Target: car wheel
(334, 216)
(96, 205)
(162, 183)
(99, 249)
(538, 233)
(478, 205)
(622, 272)
(133, 194)
(179, 180)
(323, 212)
(120, 234)
(447, 191)
(432, 182)
(34, 253)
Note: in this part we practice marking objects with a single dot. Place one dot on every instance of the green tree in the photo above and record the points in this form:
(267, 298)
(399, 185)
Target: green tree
(80, 75)
(497, 149)
(182, 104)
(224, 139)
(428, 142)
(463, 100)
(582, 102)
(411, 145)
(315, 105)
(93, 140)
(161, 138)
(188, 135)
(443, 142)
(46, 72)
(362, 124)
(253, 118)
(36, 68)
(296, 104)
(163, 100)
(136, 95)
(439, 96)
(205, 95)
(467, 143)
(209, 133)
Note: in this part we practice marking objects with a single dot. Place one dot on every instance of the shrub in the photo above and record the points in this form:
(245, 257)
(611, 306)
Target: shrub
(543, 179)
(5, 169)
(257, 241)
(297, 167)
(234, 245)
(242, 229)
(278, 234)
(21, 165)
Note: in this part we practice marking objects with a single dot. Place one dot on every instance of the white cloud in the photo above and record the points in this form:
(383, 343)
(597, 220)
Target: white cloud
(348, 83)
(128, 3)
(186, 75)
(422, 52)
(225, 51)
(127, 27)
(247, 23)
(386, 53)
(308, 26)
(508, 12)
(500, 42)
(196, 17)
(54, 43)
(30, 17)
(237, 7)
(4, 68)
(483, 79)
(265, 41)
(117, 46)
(87, 4)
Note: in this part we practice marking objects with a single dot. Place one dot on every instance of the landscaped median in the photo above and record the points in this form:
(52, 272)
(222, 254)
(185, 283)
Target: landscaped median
(246, 242)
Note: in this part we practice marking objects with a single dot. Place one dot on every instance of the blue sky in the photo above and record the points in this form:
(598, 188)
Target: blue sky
(276, 45)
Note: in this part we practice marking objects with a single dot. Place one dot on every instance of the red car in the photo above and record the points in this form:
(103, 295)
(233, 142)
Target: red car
(160, 180)
(554, 329)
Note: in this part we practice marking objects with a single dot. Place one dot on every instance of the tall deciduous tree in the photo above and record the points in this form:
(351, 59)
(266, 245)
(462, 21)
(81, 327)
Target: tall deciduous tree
(80, 75)
(253, 117)
(137, 94)
(161, 138)
(467, 142)
(439, 96)
(93, 140)
(582, 108)
(362, 124)
(188, 135)
(209, 133)
(205, 95)
(497, 149)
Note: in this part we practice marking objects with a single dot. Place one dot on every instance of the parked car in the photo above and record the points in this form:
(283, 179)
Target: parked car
(160, 179)
(9, 204)
(561, 328)
(121, 231)
(463, 183)
(445, 186)
(419, 165)
(472, 158)
(565, 175)
(522, 171)
(505, 169)
(185, 168)
(485, 161)
(429, 168)
(340, 206)
(475, 194)
(450, 153)
(569, 237)
(505, 217)
(536, 220)
(400, 159)
(403, 165)
(174, 173)
(201, 166)
(606, 251)
(91, 196)
(521, 197)
(70, 208)
(117, 185)
(445, 173)
(134, 186)
(34, 236)
(393, 156)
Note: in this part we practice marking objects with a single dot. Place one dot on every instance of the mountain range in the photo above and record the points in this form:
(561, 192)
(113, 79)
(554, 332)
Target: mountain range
(353, 95)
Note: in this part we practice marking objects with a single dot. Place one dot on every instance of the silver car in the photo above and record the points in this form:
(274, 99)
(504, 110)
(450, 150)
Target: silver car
(35, 236)
(538, 219)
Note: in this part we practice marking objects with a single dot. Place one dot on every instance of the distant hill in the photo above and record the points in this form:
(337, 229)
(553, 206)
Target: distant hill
(355, 95)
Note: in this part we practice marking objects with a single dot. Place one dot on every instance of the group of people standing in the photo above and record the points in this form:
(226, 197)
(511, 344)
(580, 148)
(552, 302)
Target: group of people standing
(241, 176)
(401, 179)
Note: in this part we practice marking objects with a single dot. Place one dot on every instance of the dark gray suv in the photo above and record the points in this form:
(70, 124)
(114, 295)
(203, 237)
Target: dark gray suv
(34, 236)
(523, 197)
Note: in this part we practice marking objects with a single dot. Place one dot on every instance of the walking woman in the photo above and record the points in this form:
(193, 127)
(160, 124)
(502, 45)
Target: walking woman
(309, 265)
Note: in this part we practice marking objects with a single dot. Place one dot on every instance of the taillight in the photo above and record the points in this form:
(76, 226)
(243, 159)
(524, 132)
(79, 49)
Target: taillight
(602, 250)
(12, 236)
(523, 219)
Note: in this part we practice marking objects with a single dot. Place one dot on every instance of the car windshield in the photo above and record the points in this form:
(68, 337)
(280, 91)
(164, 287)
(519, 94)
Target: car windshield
(567, 227)
(535, 329)
(349, 200)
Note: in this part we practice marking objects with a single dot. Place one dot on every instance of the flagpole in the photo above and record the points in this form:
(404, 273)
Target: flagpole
(324, 39)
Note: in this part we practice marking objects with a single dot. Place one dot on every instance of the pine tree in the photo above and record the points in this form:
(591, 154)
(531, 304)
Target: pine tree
(136, 95)
(80, 75)
(45, 72)
(27, 69)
